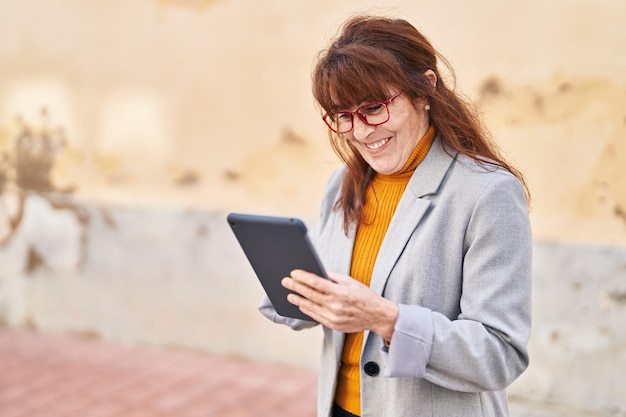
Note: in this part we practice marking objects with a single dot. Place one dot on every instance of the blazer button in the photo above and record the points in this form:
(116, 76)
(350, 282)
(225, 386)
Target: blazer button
(371, 368)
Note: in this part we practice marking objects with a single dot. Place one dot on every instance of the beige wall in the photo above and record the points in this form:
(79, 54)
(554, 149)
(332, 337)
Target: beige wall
(207, 103)
(178, 104)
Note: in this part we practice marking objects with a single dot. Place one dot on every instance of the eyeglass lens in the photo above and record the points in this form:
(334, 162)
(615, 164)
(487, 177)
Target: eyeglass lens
(373, 114)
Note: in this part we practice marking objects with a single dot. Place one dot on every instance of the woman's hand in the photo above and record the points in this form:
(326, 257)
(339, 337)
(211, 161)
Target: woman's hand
(341, 303)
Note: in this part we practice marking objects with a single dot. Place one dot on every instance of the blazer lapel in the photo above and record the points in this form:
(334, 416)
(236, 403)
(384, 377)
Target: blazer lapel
(425, 181)
(338, 256)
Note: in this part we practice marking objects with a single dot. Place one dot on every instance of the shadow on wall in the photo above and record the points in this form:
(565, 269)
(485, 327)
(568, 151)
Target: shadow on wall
(27, 166)
(30, 163)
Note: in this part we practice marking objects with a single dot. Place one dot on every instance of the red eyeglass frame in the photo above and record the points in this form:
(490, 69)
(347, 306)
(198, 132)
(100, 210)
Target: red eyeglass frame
(361, 116)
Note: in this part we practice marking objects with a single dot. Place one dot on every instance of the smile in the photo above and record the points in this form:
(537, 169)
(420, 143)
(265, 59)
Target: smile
(377, 145)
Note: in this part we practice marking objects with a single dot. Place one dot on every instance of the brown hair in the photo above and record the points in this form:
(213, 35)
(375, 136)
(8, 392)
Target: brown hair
(373, 54)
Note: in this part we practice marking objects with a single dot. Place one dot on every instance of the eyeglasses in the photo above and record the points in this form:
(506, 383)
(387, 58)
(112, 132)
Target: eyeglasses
(372, 114)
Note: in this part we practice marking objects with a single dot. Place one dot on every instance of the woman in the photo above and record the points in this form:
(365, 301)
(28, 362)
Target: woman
(426, 230)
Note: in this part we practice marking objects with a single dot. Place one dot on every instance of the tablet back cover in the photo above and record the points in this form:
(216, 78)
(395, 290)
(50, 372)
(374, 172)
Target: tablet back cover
(275, 246)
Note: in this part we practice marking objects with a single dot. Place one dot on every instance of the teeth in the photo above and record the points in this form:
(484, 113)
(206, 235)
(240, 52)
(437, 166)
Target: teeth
(375, 145)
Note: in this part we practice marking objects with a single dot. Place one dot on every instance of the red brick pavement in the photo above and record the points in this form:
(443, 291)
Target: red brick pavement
(44, 375)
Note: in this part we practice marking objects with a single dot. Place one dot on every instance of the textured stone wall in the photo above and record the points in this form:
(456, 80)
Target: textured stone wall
(167, 277)
(174, 277)
(578, 343)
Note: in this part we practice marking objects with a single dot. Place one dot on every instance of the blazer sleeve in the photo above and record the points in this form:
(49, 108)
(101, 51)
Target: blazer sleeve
(485, 347)
(267, 309)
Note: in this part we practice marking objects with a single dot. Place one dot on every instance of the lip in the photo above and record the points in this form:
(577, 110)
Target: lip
(377, 146)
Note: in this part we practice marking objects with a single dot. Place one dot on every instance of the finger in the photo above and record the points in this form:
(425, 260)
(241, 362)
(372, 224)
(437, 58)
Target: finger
(308, 307)
(287, 282)
(314, 281)
(302, 289)
(322, 315)
(295, 299)
(293, 285)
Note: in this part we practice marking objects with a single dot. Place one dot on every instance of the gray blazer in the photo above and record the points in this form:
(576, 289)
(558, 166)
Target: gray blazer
(457, 261)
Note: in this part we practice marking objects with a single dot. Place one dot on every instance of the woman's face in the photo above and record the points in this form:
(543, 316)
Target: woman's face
(387, 147)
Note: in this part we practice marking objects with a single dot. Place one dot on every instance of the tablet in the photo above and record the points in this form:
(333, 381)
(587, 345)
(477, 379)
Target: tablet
(275, 246)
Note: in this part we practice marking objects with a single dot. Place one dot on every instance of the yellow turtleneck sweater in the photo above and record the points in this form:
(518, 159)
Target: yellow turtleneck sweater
(382, 198)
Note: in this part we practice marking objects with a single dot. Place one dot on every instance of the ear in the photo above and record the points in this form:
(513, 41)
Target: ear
(432, 77)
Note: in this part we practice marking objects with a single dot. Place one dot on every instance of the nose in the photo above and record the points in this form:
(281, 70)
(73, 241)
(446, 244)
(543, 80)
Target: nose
(361, 130)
